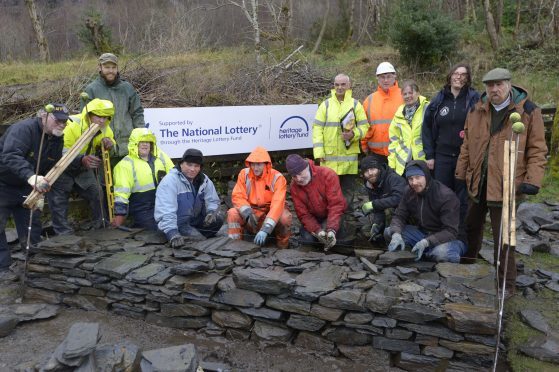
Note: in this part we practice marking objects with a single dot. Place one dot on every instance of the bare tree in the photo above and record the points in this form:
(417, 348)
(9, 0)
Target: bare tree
(517, 20)
(322, 29)
(350, 23)
(37, 23)
(251, 14)
(499, 15)
(490, 25)
(471, 10)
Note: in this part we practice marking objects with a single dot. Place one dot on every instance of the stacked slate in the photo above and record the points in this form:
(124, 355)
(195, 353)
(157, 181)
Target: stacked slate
(382, 305)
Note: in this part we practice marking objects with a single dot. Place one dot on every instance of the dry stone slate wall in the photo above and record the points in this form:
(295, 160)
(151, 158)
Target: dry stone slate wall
(378, 306)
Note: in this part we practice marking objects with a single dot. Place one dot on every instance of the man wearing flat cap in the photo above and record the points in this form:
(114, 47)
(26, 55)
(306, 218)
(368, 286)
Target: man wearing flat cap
(318, 201)
(480, 162)
(187, 203)
(129, 113)
(19, 155)
(427, 218)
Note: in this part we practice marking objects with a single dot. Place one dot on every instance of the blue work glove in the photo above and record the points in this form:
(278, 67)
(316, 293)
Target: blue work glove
(396, 242)
(419, 248)
(367, 207)
(260, 238)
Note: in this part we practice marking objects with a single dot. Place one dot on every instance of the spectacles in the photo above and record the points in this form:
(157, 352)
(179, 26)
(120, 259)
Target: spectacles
(459, 74)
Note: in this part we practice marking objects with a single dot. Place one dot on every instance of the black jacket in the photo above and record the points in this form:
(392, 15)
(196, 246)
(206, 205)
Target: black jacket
(444, 120)
(387, 191)
(436, 211)
(19, 147)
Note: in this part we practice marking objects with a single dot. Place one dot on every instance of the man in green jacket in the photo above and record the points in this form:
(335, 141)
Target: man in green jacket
(129, 113)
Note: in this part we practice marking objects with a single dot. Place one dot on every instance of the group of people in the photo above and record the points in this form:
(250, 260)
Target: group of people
(432, 169)
(449, 151)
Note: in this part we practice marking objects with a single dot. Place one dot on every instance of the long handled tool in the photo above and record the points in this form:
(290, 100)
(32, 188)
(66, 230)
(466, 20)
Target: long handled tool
(49, 109)
(508, 219)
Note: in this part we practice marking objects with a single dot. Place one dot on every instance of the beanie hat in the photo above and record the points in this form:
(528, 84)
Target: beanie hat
(295, 164)
(414, 170)
(369, 162)
(193, 156)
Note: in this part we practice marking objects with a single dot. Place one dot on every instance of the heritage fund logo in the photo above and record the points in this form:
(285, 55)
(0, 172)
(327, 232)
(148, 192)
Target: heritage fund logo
(294, 127)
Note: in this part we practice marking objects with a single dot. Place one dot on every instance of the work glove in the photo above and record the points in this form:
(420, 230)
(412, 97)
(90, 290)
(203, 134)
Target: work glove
(260, 238)
(321, 235)
(177, 241)
(211, 217)
(39, 183)
(330, 239)
(91, 161)
(40, 203)
(367, 207)
(107, 143)
(375, 232)
(252, 222)
(528, 189)
(419, 247)
(118, 220)
(396, 242)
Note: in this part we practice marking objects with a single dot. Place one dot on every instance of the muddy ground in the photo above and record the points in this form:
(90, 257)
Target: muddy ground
(35, 341)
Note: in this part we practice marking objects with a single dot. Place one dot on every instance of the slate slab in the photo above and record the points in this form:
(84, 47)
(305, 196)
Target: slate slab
(81, 340)
(262, 280)
(347, 336)
(186, 309)
(381, 297)
(305, 323)
(203, 285)
(290, 257)
(64, 245)
(389, 344)
(119, 264)
(345, 299)
(190, 267)
(326, 313)
(289, 304)
(433, 330)
(471, 319)
(535, 320)
(385, 322)
(261, 312)
(233, 248)
(542, 348)
(239, 297)
(419, 363)
(182, 358)
(142, 274)
(467, 347)
(358, 318)
(414, 313)
(7, 324)
(395, 258)
(315, 282)
(525, 216)
(123, 356)
(231, 319)
(148, 236)
(367, 354)
(472, 271)
(269, 332)
(28, 312)
(177, 322)
(523, 281)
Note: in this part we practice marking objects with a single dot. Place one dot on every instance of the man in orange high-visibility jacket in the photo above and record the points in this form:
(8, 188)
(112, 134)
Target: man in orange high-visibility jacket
(380, 107)
(259, 202)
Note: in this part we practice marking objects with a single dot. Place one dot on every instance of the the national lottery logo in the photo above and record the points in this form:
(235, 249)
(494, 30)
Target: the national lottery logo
(444, 111)
(294, 127)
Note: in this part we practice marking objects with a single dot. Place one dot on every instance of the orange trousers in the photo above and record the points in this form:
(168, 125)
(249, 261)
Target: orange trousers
(282, 231)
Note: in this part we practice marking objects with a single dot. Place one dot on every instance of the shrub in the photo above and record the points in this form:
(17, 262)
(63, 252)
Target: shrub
(422, 35)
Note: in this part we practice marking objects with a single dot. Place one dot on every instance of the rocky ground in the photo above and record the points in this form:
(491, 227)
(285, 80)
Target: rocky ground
(28, 339)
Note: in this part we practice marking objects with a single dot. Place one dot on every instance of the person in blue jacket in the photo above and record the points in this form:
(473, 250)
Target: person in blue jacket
(442, 131)
(187, 203)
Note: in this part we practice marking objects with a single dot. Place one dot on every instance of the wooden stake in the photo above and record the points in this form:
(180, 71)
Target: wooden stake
(65, 161)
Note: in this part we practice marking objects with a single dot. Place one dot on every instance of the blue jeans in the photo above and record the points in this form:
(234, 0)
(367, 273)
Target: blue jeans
(447, 252)
(11, 199)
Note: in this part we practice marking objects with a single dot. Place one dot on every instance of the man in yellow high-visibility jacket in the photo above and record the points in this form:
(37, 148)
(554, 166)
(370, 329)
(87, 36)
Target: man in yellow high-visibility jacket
(336, 134)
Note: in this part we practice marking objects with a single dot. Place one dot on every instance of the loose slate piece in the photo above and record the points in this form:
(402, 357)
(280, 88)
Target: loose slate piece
(181, 358)
(119, 264)
(263, 281)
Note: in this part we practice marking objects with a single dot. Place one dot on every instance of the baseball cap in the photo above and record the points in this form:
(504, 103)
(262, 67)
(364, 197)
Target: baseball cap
(61, 112)
(108, 57)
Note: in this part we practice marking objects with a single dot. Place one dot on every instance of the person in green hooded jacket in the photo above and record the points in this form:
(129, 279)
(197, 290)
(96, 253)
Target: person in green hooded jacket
(129, 113)
(136, 178)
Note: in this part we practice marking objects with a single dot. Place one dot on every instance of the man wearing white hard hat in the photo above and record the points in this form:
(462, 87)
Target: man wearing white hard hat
(380, 107)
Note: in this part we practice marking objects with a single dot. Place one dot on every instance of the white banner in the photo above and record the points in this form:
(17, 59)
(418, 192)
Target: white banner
(231, 129)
